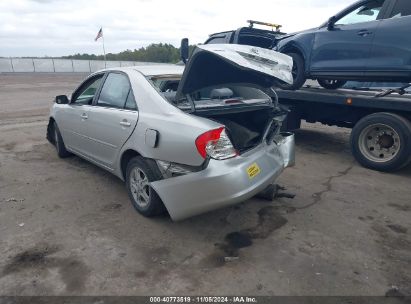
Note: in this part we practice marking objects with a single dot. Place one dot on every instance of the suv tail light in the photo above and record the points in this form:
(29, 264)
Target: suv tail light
(216, 144)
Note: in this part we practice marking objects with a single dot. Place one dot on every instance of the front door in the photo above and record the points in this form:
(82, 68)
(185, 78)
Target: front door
(346, 46)
(72, 119)
(111, 120)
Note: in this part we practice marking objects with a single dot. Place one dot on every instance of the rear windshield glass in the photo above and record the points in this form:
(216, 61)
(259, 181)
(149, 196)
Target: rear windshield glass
(210, 97)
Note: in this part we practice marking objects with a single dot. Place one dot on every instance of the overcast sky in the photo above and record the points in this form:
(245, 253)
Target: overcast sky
(63, 27)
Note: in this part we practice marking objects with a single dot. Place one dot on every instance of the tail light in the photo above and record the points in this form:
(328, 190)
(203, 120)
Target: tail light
(216, 144)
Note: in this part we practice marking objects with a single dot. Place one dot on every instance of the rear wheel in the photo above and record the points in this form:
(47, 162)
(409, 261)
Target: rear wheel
(331, 84)
(382, 141)
(59, 143)
(298, 73)
(140, 173)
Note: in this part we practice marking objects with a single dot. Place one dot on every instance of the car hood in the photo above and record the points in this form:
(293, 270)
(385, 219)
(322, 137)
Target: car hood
(282, 37)
(217, 64)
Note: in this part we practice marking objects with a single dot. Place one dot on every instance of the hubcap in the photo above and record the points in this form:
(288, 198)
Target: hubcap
(379, 143)
(140, 188)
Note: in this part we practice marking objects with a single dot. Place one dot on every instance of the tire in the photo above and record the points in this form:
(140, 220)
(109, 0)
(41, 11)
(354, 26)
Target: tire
(59, 143)
(140, 172)
(382, 141)
(331, 84)
(298, 73)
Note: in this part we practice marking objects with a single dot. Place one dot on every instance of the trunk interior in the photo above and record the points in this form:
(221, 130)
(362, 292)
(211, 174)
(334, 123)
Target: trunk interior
(245, 111)
(245, 129)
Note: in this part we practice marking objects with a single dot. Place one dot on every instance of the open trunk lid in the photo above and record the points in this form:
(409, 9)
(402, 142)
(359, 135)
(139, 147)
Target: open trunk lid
(217, 64)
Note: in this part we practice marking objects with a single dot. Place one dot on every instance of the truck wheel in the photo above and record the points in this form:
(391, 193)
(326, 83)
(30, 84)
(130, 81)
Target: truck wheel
(298, 72)
(331, 84)
(140, 172)
(59, 143)
(382, 141)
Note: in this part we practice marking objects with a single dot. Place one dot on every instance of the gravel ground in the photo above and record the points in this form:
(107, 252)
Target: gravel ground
(67, 227)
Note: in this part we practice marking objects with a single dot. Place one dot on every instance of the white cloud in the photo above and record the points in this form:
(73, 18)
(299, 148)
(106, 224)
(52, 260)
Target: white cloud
(57, 27)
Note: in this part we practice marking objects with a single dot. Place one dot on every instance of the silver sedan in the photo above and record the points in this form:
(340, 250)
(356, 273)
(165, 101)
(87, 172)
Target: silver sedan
(185, 140)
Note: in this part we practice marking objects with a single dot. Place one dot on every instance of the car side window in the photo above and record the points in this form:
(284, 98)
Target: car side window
(115, 91)
(130, 102)
(402, 8)
(85, 94)
(365, 13)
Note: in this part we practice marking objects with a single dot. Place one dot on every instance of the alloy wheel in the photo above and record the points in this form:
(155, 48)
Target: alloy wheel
(140, 188)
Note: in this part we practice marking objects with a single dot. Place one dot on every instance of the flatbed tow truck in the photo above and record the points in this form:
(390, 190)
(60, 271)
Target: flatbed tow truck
(380, 120)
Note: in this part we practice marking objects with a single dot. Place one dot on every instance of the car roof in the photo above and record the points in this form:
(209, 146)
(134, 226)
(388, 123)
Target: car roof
(151, 69)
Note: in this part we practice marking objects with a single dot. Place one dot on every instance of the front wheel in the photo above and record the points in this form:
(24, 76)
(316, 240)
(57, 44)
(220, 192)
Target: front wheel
(298, 73)
(382, 141)
(331, 84)
(140, 173)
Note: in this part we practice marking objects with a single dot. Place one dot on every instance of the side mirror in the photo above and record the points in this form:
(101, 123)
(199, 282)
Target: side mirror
(184, 50)
(331, 23)
(61, 99)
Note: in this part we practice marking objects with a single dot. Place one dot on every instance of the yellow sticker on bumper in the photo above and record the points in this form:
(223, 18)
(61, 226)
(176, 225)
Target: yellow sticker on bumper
(253, 170)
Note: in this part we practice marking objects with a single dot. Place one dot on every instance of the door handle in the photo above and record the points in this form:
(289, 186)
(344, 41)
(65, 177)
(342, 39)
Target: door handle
(364, 33)
(125, 123)
(84, 116)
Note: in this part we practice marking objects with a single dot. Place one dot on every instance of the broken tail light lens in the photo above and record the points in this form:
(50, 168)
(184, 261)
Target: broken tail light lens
(216, 144)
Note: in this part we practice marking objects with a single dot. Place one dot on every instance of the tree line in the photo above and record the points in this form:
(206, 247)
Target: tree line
(156, 52)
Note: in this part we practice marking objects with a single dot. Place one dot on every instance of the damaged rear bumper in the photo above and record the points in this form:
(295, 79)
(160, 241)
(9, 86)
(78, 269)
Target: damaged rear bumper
(227, 182)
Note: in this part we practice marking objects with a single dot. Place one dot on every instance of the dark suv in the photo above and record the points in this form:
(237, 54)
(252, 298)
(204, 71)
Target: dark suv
(368, 41)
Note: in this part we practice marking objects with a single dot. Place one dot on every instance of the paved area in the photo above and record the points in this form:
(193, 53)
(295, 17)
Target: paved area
(67, 227)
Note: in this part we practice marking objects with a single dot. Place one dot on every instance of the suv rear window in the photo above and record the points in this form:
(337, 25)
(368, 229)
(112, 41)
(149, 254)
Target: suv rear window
(253, 40)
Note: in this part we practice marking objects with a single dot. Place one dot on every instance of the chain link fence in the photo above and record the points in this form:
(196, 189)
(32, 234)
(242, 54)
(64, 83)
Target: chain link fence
(24, 65)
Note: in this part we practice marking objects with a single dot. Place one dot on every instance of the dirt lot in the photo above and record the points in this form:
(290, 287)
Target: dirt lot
(67, 227)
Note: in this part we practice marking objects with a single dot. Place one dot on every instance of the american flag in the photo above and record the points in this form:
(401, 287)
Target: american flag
(99, 34)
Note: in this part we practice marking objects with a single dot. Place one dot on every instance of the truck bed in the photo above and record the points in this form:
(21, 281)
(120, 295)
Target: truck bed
(346, 97)
(342, 107)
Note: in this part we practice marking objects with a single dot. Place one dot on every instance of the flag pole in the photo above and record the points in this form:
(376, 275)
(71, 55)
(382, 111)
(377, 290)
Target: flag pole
(104, 50)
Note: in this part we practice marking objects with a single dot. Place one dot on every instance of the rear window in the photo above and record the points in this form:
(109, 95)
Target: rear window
(253, 40)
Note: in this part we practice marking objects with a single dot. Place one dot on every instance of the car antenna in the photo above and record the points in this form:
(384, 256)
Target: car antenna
(272, 25)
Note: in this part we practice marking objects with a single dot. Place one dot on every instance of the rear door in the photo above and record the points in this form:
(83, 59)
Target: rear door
(391, 51)
(347, 45)
(111, 120)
